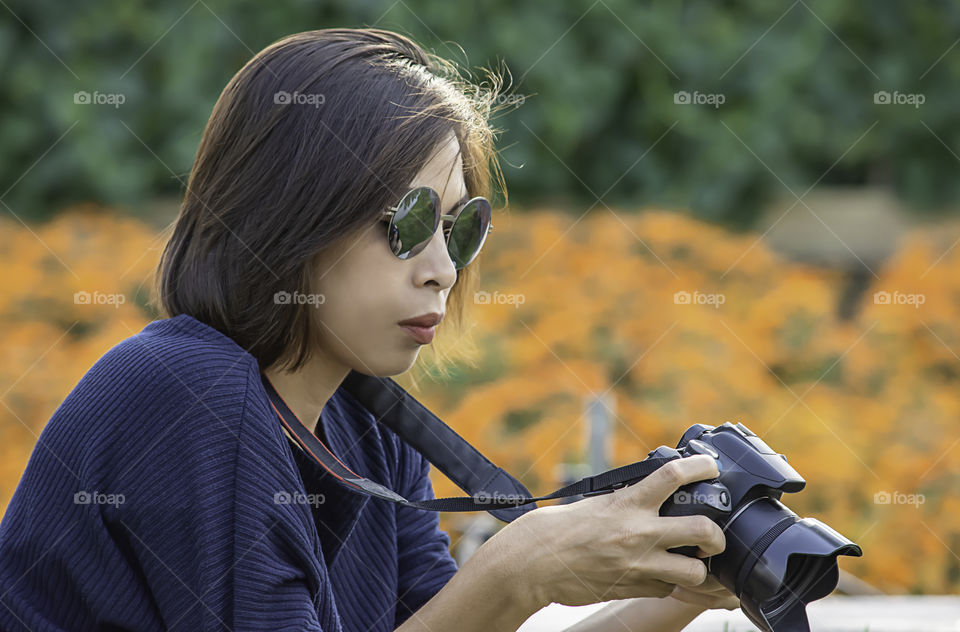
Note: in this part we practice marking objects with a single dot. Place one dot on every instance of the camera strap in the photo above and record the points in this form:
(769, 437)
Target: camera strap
(490, 487)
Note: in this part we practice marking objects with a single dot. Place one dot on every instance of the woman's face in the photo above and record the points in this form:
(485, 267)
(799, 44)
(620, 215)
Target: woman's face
(367, 290)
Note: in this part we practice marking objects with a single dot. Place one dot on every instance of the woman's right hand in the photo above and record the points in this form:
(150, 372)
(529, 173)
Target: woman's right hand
(614, 546)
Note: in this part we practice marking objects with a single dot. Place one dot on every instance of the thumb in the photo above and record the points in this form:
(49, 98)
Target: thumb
(655, 489)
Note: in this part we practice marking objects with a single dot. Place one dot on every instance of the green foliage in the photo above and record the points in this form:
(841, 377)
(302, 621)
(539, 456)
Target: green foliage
(599, 81)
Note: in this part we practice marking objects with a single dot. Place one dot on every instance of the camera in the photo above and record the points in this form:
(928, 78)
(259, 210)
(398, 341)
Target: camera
(775, 562)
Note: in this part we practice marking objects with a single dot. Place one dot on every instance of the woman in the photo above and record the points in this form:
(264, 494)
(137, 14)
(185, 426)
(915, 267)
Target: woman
(164, 494)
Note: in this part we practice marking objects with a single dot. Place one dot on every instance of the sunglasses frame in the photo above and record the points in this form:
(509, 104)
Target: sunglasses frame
(439, 217)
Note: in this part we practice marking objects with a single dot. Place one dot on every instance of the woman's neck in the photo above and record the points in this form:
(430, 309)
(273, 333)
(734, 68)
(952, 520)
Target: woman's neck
(307, 390)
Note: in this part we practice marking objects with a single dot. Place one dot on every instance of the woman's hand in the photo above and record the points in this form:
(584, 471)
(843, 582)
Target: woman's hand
(614, 546)
(710, 594)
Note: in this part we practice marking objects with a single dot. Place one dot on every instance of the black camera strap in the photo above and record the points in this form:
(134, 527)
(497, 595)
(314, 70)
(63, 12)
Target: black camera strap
(492, 489)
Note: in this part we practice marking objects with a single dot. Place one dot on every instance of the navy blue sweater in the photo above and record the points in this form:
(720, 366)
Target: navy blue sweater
(163, 495)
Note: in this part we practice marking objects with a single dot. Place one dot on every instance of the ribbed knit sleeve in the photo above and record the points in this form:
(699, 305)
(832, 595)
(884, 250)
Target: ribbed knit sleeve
(149, 503)
(423, 549)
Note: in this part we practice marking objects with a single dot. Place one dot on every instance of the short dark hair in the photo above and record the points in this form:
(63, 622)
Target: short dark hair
(272, 185)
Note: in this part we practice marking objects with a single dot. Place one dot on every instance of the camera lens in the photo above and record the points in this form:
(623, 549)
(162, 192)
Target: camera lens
(777, 563)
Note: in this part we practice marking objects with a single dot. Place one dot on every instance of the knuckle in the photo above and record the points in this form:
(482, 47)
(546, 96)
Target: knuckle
(643, 530)
(703, 529)
(673, 472)
(638, 570)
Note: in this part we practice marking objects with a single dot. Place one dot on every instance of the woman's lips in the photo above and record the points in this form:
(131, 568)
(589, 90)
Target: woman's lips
(423, 335)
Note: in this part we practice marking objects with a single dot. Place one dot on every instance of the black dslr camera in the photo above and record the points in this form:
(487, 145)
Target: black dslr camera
(774, 561)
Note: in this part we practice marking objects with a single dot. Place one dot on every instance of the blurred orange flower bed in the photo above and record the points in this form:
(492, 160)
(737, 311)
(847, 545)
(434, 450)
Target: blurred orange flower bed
(680, 321)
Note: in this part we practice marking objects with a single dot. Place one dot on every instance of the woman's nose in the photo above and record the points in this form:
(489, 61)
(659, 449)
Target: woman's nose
(438, 264)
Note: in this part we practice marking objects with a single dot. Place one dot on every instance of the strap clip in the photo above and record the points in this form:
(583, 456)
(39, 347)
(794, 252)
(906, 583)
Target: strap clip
(594, 491)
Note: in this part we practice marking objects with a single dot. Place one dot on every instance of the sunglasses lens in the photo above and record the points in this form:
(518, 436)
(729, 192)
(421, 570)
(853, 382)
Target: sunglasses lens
(469, 231)
(414, 222)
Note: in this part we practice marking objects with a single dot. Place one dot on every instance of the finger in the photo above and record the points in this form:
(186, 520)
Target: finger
(655, 489)
(711, 584)
(707, 591)
(678, 569)
(727, 602)
(650, 588)
(698, 531)
(645, 587)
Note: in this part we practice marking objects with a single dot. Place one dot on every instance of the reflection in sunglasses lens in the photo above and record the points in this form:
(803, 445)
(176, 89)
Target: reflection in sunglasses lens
(415, 222)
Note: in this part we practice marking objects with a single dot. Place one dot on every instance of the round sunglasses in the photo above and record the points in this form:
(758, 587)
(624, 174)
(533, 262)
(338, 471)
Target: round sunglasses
(414, 221)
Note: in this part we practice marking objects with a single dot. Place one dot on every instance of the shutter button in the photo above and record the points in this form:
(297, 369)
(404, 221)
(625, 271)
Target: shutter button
(702, 448)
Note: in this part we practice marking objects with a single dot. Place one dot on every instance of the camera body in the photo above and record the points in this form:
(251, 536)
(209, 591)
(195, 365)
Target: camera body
(748, 468)
(774, 561)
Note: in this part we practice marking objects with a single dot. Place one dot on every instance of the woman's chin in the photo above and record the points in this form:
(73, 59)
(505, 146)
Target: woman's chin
(398, 363)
